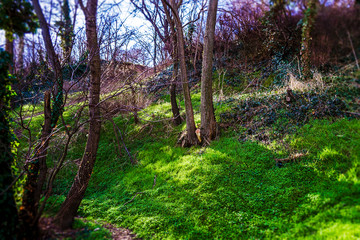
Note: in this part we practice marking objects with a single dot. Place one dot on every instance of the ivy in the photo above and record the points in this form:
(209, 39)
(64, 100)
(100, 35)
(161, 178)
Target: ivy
(7, 203)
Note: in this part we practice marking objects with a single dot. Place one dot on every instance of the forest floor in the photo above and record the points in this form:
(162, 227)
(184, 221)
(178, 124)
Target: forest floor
(235, 188)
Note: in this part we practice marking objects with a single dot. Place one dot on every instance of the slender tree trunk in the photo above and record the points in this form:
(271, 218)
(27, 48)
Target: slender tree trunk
(198, 42)
(174, 81)
(208, 122)
(190, 122)
(29, 208)
(155, 51)
(175, 57)
(20, 58)
(174, 106)
(67, 33)
(68, 210)
(191, 138)
(305, 52)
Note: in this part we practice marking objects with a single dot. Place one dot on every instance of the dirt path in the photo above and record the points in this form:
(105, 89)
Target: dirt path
(51, 231)
(120, 233)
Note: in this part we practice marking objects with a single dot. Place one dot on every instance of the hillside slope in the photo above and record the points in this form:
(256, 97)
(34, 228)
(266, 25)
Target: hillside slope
(232, 189)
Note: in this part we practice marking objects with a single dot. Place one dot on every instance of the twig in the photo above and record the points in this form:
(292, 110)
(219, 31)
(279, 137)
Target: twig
(13, 182)
(154, 182)
(122, 139)
(353, 50)
(291, 158)
(133, 198)
(117, 139)
(354, 113)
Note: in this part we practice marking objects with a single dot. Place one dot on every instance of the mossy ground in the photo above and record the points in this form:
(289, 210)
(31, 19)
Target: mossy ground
(229, 190)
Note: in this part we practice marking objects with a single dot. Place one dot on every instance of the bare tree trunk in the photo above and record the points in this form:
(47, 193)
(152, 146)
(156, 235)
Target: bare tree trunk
(30, 201)
(198, 42)
(175, 57)
(208, 122)
(67, 31)
(191, 138)
(67, 212)
(155, 51)
(20, 58)
(174, 106)
(305, 52)
(190, 122)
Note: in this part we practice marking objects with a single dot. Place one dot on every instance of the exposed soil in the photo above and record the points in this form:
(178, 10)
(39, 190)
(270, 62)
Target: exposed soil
(51, 231)
(120, 233)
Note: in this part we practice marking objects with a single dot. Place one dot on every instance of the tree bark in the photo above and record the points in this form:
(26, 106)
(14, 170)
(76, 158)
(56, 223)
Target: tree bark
(67, 212)
(67, 31)
(305, 52)
(20, 58)
(175, 57)
(155, 51)
(208, 122)
(174, 106)
(191, 138)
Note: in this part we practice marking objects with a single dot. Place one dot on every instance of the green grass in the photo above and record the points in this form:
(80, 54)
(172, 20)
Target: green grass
(28, 110)
(228, 190)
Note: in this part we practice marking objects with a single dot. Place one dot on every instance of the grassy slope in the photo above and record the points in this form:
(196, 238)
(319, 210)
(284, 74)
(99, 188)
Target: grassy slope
(228, 190)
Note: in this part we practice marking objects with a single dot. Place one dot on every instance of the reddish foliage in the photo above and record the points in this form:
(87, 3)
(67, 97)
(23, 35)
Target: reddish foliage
(250, 33)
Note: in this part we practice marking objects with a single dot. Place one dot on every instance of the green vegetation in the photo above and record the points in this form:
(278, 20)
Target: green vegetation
(232, 189)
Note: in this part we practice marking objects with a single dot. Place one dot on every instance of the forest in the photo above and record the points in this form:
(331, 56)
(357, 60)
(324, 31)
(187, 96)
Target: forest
(179, 119)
